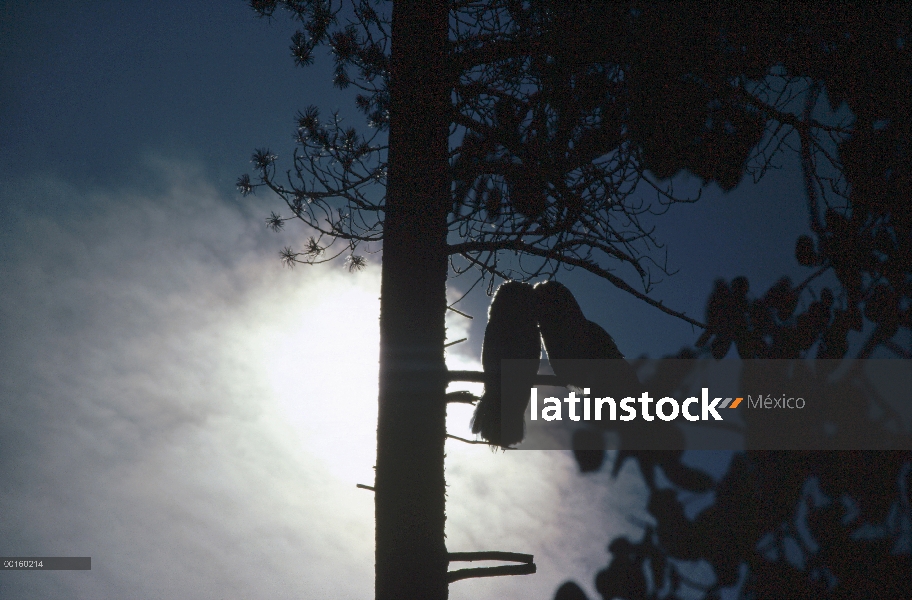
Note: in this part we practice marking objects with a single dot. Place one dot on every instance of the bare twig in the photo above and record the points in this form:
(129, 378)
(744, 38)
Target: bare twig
(476, 442)
(459, 312)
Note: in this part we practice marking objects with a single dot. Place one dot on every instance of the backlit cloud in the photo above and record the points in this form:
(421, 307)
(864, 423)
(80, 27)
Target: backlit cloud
(194, 417)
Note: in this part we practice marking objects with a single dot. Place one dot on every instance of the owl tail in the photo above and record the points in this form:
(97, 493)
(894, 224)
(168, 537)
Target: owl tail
(501, 424)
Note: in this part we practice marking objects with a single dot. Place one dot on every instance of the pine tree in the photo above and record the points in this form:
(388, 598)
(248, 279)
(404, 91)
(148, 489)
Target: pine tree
(511, 139)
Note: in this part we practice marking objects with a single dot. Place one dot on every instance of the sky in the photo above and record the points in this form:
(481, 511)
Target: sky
(171, 396)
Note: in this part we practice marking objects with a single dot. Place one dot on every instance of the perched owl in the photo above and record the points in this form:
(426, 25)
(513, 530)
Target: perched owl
(567, 334)
(511, 333)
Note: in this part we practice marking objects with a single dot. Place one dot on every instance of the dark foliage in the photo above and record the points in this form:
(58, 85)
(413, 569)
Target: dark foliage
(785, 524)
(561, 110)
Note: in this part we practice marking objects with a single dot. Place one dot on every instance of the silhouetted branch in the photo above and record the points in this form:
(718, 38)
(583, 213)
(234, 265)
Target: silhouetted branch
(811, 278)
(588, 265)
(474, 442)
(897, 349)
(462, 397)
(490, 572)
(459, 312)
(491, 555)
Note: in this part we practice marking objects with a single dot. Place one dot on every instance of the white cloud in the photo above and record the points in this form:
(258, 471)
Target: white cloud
(165, 385)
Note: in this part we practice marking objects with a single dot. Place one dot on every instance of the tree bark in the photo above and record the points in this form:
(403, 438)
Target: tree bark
(411, 555)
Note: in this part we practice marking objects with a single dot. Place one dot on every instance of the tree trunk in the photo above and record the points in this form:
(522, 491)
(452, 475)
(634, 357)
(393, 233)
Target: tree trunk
(411, 555)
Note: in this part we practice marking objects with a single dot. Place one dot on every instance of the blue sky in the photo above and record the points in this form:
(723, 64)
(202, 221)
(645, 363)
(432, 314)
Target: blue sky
(170, 395)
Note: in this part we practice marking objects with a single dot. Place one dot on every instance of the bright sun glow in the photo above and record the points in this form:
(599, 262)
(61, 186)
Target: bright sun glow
(322, 367)
(318, 349)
